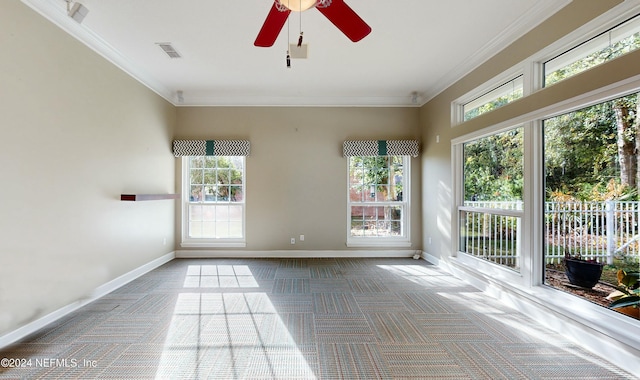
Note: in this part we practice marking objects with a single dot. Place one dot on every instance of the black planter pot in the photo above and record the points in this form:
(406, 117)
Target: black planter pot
(583, 273)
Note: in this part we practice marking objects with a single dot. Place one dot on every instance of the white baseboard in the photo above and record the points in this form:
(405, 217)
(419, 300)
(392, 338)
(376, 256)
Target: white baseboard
(202, 254)
(430, 258)
(100, 291)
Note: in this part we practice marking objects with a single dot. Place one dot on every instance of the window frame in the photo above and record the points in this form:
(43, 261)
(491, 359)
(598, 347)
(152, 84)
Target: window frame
(493, 213)
(376, 241)
(532, 68)
(520, 277)
(529, 283)
(492, 95)
(194, 242)
(458, 105)
(582, 43)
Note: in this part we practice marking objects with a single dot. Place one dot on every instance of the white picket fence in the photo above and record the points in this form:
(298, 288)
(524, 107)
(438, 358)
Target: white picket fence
(490, 230)
(595, 230)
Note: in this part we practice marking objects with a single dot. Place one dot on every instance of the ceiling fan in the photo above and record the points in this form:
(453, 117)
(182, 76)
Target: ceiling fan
(337, 11)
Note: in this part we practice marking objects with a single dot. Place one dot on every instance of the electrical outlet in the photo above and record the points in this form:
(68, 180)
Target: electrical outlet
(301, 237)
(293, 240)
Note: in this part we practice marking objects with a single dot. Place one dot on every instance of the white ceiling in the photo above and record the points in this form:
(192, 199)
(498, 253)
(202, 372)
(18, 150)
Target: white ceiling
(419, 46)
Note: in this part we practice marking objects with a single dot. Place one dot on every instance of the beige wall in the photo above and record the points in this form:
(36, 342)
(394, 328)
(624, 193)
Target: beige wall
(76, 133)
(435, 116)
(296, 174)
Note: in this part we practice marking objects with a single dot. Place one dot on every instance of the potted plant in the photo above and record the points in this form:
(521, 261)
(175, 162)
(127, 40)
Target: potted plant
(627, 298)
(581, 272)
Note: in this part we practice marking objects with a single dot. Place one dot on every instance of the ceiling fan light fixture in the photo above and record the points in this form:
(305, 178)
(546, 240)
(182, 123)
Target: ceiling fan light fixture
(298, 5)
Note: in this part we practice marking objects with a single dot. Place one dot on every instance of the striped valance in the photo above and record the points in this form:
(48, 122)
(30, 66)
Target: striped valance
(211, 148)
(381, 148)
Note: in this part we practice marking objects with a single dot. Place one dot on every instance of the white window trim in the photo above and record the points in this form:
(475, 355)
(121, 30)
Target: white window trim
(581, 46)
(532, 67)
(533, 171)
(598, 25)
(520, 276)
(382, 242)
(188, 242)
(457, 106)
(529, 284)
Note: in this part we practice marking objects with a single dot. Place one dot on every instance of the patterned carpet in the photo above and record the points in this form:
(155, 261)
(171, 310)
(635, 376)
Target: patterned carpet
(299, 319)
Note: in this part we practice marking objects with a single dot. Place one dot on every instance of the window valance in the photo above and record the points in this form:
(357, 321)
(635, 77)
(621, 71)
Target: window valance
(211, 148)
(381, 148)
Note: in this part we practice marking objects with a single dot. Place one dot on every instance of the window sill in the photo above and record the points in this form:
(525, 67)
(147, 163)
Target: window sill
(366, 243)
(213, 244)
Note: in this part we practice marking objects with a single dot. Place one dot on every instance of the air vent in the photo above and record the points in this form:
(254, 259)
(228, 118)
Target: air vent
(169, 49)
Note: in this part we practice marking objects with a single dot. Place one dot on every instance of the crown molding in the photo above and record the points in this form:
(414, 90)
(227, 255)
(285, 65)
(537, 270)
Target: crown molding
(542, 10)
(55, 12)
(286, 101)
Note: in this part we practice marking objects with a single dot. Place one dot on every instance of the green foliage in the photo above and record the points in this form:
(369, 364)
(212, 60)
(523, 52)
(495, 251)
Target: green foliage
(493, 167)
(581, 157)
(581, 152)
(490, 106)
(633, 301)
(581, 148)
(216, 178)
(589, 151)
(382, 173)
(596, 58)
(628, 291)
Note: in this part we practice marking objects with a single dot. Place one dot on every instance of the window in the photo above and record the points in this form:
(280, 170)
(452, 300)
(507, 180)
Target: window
(214, 200)
(490, 216)
(496, 98)
(619, 34)
(378, 201)
(579, 197)
(592, 206)
(611, 44)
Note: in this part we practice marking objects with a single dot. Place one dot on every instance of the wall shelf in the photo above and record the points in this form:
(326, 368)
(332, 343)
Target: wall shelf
(147, 197)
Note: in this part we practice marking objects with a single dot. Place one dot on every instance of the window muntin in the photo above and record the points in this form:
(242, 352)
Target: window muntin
(215, 206)
(378, 199)
(611, 44)
(491, 215)
(496, 98)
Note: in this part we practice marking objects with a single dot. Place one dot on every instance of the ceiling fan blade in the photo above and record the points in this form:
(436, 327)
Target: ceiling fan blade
(272, 26)
(345, 19)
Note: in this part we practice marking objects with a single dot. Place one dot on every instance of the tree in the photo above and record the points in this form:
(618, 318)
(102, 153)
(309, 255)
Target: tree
(580, 149)
(598, 57)
(587, 148)
(591, 146)
(377, 174)
(584, 150)
(216, 178)
(515, 93)
(627, 132)
(493, 167)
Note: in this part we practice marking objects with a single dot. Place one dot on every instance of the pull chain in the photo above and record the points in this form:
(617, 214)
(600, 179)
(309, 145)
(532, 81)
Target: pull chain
(288, 35)
(300, 38)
